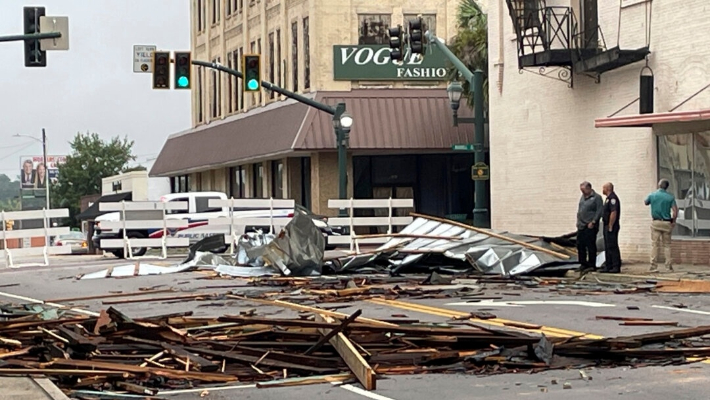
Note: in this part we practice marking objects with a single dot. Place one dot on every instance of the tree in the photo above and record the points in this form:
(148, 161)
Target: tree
(90, 160)
(470, 44)
(9, 194)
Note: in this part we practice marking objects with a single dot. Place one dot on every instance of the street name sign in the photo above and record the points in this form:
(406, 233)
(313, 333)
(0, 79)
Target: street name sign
(143, 58)
(54, 24)
(464, 147)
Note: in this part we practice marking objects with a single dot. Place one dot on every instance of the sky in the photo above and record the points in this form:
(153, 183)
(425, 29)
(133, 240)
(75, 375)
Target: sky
(92, 86)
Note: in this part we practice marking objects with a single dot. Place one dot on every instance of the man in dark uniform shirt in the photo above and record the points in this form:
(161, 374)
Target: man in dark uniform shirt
(610, 219)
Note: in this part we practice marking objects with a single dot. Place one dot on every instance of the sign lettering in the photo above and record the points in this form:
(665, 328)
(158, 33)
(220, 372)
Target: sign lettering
(373, 62)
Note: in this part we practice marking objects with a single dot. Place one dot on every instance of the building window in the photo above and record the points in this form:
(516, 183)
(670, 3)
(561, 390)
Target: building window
(685, 161)
(279, 81)
(294, 56)
(240, 95)
(271, 62)
(373, 28)
(258, 51)
(306, 56)
(215, 11)
(238, 182)
(200, 94)
(428, 21)
(277, 179)
(200, 16)
(258, 180)
(182, 184)
(230, 81)
(306, 182)
(216, 83)
(228, 12)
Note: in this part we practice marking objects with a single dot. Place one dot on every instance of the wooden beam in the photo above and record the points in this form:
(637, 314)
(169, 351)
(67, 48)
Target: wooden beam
(332, 333)
(362, 370)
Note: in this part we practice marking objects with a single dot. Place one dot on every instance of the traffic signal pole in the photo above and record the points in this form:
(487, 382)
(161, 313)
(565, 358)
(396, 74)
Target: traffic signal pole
(341, 134)
(32, 36)
(481, 216)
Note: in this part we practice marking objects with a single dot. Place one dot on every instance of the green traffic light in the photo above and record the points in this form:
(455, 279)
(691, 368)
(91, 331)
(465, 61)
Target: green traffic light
(253, 84)
(183, 81)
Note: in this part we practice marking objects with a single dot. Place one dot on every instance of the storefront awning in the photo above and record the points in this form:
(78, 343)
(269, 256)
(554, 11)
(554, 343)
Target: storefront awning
(384, 119)
(662, 123)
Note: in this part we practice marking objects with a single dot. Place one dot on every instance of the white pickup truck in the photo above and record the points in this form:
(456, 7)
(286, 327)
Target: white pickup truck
(198, 214)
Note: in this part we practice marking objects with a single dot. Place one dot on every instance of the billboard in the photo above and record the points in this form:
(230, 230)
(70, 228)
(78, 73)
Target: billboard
(35, 173)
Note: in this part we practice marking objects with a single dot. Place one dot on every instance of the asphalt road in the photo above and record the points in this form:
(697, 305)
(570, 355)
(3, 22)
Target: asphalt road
(542, 306)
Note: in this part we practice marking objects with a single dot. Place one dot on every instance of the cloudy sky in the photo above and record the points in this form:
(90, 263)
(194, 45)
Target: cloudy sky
(91, 87)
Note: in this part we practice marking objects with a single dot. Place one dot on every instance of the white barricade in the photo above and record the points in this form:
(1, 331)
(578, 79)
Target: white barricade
(46, 231)
(237, 220)
(144, 215)
(351, 221)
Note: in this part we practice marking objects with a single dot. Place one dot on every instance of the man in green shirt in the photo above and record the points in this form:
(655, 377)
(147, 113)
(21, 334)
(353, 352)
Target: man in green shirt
(664, 212)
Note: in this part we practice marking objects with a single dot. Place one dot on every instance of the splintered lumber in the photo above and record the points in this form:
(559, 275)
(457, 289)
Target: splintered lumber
(164, 298)
(111, 295)
(359, 367)
(309, 380)
(493, 234)
(606, 317)
(649, 323)
(200, 363)
(134, 369)
(683, 286)
(241, 358)
(333, 332)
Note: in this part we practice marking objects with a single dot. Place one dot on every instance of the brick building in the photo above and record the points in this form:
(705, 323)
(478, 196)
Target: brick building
(264, 145)
(548, 135)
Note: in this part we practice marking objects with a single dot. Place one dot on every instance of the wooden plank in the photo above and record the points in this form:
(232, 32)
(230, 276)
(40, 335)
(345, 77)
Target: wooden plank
(371, 203)
(253, 203)
(111, 295)
(606, 317)
(38, 232)
(359, 367)
(333, 332)
(36, 214)
(308, 380)
(250, 360)
(370, 221)
(145, 224)
(494, 235)
(201, 363)
(156, 242)
(683, 286)
(171, 374)
(143, 206)
(649, 323)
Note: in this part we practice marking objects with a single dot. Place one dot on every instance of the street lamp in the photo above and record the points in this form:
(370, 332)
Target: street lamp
(44, 160)
(342, 123)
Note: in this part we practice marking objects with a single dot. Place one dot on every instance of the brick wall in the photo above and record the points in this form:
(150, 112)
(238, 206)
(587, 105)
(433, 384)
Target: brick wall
(691, 251)
(543, 141)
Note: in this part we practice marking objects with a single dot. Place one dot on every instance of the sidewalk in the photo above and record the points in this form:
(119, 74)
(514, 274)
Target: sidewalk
(637, 271)
(25, 388)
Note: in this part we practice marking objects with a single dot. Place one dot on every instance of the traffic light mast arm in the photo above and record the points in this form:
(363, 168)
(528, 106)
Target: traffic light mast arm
(458, 64)
(302, 99)
(32, 36)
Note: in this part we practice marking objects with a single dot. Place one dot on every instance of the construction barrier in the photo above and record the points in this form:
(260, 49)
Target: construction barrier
(47, 231)
(145, 215)
(350, 205)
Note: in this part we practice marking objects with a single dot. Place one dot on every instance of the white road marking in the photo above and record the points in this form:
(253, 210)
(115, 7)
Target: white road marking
(523, 303)
(200, 390)
(363, 392)
(31, 300)
(683, 310)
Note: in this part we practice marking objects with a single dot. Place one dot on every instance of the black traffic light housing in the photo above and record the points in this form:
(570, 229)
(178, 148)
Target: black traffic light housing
(183, 69)
(34, 56)
(416, 36)
(396, 43)
(161, 70)
(252, 73)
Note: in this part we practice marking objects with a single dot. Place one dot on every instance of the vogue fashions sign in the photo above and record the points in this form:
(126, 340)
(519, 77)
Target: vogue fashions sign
(373, 63)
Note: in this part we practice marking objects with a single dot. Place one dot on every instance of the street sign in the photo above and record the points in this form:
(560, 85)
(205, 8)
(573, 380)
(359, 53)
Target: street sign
(143, 58)
(463, 147)
(480, 172)
(54, 24)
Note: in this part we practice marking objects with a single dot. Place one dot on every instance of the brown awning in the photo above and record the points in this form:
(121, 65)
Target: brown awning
(662, 123)
(384, 119)
(265, 131)
(401, 119)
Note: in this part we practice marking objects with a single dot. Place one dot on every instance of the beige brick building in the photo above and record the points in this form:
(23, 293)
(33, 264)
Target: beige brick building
(262, 145)
(547, 137)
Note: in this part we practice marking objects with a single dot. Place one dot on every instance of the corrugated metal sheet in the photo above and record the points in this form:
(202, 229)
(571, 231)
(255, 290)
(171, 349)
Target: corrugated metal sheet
(271, 130)
(388, 119)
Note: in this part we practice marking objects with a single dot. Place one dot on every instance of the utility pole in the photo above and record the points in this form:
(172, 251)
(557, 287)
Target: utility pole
(45, 160)
(481, 216)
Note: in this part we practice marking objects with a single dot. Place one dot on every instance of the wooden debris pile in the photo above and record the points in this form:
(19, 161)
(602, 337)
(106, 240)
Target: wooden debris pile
(144, 356)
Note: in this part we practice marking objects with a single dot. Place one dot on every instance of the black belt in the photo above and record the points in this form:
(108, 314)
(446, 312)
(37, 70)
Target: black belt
(662, 219)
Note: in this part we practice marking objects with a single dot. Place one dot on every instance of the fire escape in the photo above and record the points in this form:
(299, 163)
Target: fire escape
(552, 40)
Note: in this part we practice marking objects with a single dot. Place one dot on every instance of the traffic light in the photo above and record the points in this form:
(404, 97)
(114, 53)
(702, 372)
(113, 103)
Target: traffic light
(34, 56)
(396, 43)
(416, 36)
(183, 67)
(252, 72)
(161, 70)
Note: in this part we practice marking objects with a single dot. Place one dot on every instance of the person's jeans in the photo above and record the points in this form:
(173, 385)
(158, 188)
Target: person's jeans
(587, 247)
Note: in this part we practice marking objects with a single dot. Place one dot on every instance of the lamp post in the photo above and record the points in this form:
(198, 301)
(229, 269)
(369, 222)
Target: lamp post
(455, 92)
(342, 123)
(44, 160)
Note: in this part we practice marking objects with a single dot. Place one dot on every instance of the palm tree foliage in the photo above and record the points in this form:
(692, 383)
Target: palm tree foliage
(470, 44)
